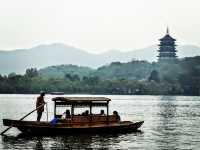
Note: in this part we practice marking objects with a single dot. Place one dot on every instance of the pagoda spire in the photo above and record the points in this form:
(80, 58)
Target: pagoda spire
(167, 30)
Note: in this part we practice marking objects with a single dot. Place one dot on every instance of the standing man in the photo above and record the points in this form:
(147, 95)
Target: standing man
(40, 101)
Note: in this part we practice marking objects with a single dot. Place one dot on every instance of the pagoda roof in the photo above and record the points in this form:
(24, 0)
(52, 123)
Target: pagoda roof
(167, 37)
(174, 45)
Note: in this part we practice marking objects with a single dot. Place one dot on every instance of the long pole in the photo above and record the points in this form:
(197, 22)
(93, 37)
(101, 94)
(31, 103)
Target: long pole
(23, 118)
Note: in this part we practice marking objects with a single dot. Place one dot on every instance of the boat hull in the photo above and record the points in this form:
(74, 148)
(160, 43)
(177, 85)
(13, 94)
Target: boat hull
(46, 128)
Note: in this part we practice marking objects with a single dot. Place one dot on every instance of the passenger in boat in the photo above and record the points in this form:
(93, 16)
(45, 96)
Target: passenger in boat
(40, 101)
(102, 113)
(115, 113)
(66, 114)
(86, 113)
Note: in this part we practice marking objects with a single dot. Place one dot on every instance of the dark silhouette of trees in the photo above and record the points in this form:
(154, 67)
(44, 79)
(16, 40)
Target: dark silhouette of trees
(154, 76)
(72, 77)
(135, 77)
(32, 72)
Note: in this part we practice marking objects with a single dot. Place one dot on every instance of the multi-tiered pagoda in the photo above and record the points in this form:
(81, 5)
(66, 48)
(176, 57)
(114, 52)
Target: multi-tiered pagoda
(167, 48)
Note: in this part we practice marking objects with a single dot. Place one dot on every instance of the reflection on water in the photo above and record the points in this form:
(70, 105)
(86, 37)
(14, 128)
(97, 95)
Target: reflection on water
(170, 123)
(82, 141)
(167, 123)
(38, 145)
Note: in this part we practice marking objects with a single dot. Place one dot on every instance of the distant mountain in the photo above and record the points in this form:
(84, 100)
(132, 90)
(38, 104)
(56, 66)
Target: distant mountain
(56, 54)
(43, 56)
(148, 54)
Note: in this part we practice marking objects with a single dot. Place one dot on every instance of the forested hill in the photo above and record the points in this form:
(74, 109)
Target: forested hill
(135, 77)
(181, 77)
(134, 70)
(61, 71)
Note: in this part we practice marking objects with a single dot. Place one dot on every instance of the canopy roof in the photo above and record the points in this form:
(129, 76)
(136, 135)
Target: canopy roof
(82, 101)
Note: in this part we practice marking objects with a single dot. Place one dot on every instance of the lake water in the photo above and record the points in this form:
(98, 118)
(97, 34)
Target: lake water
(170, 122)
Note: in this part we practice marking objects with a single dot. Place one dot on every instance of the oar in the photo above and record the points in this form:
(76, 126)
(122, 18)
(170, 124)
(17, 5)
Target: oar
(23, 118)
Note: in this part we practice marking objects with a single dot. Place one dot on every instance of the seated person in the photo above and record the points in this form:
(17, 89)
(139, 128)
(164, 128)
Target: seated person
(66, 114)
(102, 113)
(115, 113)
(86, 113)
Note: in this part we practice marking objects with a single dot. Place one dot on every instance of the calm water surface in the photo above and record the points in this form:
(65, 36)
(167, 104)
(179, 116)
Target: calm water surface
(171, 122)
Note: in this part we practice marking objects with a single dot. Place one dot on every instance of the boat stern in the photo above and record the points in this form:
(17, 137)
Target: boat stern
(7, 122)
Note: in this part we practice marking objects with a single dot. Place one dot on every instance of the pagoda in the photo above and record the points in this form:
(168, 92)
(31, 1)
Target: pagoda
(167, 48)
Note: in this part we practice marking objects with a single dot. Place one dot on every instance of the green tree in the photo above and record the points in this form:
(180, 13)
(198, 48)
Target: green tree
(32, 72)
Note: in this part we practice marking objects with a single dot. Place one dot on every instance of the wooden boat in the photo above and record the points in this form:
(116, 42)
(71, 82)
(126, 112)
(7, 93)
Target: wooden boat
(76, 123)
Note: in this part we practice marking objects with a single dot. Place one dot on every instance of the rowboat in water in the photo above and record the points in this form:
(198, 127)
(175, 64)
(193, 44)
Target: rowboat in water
(71, 122)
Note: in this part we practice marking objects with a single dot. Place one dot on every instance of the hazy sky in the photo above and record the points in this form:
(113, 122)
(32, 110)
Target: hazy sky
(97, 25)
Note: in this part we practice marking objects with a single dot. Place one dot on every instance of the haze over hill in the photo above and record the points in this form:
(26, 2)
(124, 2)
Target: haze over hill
(55, 54)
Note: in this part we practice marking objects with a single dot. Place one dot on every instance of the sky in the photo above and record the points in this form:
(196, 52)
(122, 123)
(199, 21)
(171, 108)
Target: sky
(97, 25)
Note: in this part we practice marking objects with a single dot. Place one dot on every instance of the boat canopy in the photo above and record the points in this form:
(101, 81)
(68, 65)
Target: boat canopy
(81, 101)
(75, 102)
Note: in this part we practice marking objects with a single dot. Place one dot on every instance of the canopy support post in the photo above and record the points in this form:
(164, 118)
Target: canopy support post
(90, 113)
(90, 109)
(72, 111)
(55, 109)
(107, 112)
